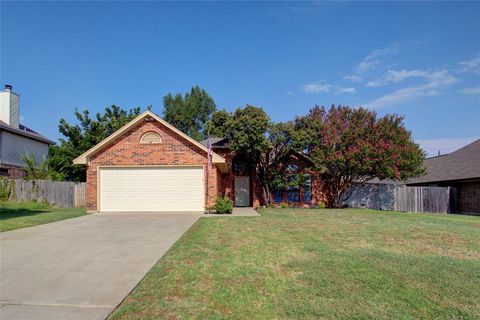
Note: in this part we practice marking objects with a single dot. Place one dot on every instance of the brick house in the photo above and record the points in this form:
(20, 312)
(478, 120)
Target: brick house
(460, 170)
(149, 165)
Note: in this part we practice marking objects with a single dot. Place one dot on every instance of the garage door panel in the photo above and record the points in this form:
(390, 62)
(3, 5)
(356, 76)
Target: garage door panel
(152, 189)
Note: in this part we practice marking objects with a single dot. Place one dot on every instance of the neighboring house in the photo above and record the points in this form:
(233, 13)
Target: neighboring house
(17, 140)
(149, 165)
(459, 169)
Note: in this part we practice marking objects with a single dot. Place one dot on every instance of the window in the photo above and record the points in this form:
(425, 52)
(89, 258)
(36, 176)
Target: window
(307, 188)
(278, 196)
(293, 195)
(294, 186)
(151, 137)
(291, 168)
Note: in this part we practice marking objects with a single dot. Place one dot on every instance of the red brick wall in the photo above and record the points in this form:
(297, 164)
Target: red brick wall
(469, 197)
(226, 180)
(16, 173)
(127, 150)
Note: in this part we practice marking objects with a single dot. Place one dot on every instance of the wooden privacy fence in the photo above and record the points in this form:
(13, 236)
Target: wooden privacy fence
(59, 193)
(422, 199)
(401, 198)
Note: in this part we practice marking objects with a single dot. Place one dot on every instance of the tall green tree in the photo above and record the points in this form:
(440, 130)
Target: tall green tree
(353, 146)
(189, 113)
(219, 123)
(261, 142)
(83, 135)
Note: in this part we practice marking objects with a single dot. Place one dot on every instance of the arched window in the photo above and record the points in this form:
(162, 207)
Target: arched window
(291, 168)
(151, 137)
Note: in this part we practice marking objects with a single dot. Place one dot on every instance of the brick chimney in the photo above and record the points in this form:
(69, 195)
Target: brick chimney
(10, 107)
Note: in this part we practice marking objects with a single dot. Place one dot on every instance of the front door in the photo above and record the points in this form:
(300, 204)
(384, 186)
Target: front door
(242, 191)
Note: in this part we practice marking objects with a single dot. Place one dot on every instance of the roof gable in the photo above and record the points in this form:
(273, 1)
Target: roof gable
(85, 157)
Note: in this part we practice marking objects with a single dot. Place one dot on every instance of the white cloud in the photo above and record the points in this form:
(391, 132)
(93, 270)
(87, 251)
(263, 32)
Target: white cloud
(401, 75)
(472, 65)
(474, 90)
(371, 61)
(440, 78)
(444, 146)
(435, 80)
(365, 66)
(346, 90)
(353, 78)
(399, 96)
(316, 87)
(374, 84)
(394, 76)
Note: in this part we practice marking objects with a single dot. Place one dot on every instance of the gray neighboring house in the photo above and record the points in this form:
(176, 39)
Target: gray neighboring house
(459, 169)
(16, 140)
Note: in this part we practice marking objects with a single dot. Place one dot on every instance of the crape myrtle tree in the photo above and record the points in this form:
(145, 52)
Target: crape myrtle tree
(189, 113)
(351, 146)
(80, 137)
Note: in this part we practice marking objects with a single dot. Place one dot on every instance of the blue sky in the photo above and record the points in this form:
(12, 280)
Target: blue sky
(420, 60)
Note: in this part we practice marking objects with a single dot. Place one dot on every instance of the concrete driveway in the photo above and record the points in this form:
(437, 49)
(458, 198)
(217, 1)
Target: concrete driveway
(81, 268)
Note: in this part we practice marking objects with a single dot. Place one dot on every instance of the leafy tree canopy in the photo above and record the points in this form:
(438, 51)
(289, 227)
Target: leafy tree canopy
(354, 145)
(247, 131)
(189, 113)
(219, 123)
(80, 137)
(253, 136)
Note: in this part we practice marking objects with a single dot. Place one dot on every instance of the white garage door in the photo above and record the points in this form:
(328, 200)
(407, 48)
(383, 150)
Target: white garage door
(152, 189)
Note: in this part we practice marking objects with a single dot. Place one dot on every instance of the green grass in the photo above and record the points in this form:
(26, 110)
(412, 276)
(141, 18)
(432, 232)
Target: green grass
(26, 214)
(316, 264)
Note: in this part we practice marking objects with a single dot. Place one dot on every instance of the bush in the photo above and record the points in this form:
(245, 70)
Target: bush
(321, 205)
(7, 189)
(223, 205)
(283, 205)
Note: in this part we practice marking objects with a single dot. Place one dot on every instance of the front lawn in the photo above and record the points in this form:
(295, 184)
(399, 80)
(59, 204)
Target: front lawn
(25, 214)
(312, 264)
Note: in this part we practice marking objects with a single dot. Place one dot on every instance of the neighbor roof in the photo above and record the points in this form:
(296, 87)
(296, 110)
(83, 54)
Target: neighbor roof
(25, 132)
(85, 157)
(463, 164)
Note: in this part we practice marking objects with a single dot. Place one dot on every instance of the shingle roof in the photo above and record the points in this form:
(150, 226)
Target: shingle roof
(462, 164)
(25, 131)
(217, 142)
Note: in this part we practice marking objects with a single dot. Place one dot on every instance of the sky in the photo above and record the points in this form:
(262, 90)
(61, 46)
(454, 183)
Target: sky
(417, 59)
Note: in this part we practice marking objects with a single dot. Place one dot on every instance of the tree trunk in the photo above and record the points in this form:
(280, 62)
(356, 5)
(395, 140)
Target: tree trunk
(262, 178)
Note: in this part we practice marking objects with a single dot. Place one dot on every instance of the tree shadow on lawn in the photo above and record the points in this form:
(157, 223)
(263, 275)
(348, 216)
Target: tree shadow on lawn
(7, 213)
